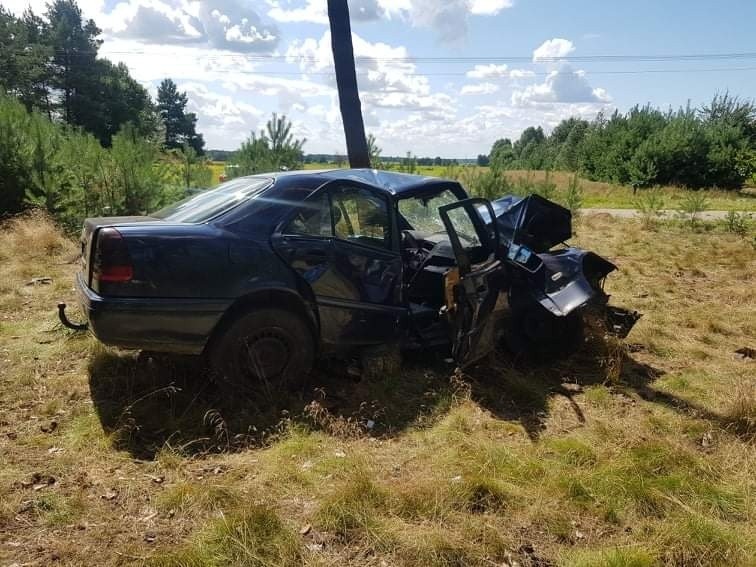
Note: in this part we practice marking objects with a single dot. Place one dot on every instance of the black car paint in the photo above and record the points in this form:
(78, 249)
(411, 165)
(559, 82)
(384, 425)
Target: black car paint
(188, 278)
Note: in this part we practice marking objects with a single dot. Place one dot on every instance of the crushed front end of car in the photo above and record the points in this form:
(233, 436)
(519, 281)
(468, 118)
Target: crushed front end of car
(552, 287)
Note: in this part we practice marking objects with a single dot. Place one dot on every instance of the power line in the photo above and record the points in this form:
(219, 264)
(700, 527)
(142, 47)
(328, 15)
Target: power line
(533, 74)
(472, 59)
(595, 58)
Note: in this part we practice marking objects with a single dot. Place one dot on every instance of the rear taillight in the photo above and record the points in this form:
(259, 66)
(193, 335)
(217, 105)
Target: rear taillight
(112, 262)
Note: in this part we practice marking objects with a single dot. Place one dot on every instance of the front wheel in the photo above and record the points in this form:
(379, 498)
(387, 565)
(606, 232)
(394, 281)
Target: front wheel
(534, 332)
(268, 349)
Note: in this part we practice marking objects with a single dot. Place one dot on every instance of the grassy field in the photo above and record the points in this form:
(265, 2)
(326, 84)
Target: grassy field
(634, 455)
(218, 168)
(599, 194)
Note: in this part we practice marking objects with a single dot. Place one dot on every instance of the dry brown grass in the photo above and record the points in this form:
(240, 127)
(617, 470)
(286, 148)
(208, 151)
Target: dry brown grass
(639, 456)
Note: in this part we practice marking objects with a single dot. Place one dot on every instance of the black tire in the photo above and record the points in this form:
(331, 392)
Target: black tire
(264, 350)
(533, 332)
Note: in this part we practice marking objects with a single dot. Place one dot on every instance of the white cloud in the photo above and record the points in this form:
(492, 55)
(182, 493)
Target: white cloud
(553, 49)
(219, 110)
(448, 18)
(479, 89)
(521, 74)
(316, 11)
(386, 76)
(152, 21)
(221, 24)
(488, 71)
(561, 86)
(489, 7)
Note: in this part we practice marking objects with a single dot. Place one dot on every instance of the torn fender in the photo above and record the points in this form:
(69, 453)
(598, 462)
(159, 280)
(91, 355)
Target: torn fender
(569, 279)
(573, 278)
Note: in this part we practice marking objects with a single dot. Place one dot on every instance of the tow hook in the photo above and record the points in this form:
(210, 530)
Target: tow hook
(66, 322)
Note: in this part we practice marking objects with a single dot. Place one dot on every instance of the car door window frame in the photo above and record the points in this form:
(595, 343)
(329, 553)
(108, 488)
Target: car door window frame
(390, 209)
(488, 238)
(283, 225)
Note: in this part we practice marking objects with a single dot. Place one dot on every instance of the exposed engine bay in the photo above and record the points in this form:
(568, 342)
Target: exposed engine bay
(546, 284)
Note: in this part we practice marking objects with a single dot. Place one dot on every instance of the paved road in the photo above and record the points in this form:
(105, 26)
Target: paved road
(634, 213)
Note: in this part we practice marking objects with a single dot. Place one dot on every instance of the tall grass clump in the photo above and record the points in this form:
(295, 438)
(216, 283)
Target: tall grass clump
(740, 414)
(573, 196)
(693, 204)
(254, 536)
(650, 204)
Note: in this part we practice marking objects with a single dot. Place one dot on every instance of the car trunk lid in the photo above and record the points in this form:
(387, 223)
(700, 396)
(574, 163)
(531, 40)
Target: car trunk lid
(89, 231)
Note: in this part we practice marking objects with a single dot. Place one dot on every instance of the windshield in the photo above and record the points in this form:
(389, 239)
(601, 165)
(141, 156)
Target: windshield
(209, 204)
(421, 213)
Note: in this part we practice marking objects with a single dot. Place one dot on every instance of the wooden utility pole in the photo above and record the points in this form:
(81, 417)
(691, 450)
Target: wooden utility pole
(346, 82)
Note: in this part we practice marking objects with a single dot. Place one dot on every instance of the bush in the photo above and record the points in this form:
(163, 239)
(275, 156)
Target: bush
(737, 223)
(694, 203)
(68, 173)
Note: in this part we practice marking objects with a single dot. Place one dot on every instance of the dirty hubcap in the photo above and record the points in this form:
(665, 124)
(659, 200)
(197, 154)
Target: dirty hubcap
(266, 354)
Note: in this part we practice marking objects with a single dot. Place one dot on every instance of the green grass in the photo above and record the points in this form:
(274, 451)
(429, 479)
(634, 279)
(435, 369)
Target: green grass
(626, 457)
(254, 536)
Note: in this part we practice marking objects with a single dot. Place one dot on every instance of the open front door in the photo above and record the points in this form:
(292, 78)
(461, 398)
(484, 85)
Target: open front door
(472, 289)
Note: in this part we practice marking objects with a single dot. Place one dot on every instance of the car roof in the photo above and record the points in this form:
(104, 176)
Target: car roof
(389, 181)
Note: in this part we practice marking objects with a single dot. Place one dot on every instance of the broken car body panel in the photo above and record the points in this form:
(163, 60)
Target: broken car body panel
(366, 257)
(561, 280)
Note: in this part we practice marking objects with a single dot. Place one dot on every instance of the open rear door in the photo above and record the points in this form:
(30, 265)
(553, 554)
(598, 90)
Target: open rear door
(472, 289)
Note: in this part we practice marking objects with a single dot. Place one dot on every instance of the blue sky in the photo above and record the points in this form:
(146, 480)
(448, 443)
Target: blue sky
(437, 77)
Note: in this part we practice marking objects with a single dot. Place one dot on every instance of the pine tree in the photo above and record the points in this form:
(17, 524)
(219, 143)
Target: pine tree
(180, 126)
(74, 46)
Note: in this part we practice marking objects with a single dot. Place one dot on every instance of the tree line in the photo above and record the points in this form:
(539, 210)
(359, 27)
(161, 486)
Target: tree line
(50, 64)
(78, 135)
(710, 146)
(68, 172)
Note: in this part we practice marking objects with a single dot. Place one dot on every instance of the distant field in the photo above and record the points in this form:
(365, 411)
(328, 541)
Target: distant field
(637, 455)
(607, 195)
(600, 194)
(218, 167)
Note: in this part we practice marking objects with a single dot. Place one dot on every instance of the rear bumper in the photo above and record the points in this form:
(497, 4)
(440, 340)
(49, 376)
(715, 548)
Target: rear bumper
(159, 324)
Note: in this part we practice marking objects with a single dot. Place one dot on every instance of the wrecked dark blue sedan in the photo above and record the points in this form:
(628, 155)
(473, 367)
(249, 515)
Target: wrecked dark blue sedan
(265, 273)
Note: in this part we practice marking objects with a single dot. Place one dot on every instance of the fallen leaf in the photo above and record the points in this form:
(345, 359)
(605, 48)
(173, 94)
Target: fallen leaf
(110, 495)
(707, 440)
(40, 280)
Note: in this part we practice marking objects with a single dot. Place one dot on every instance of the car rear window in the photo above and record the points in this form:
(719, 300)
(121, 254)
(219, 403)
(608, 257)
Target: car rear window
(209, 204)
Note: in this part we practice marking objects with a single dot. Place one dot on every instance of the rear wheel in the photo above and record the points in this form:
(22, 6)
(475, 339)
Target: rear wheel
(266, 349)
